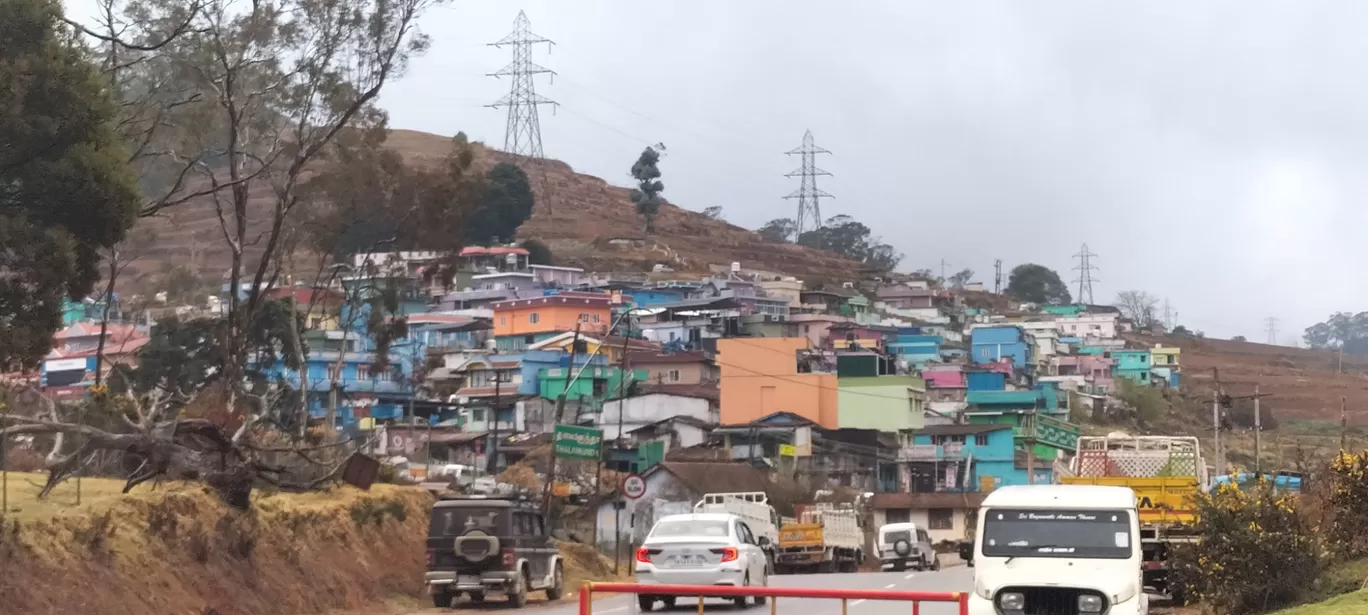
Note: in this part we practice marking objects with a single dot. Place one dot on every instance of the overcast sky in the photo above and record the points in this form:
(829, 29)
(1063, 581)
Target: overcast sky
(1209, 152)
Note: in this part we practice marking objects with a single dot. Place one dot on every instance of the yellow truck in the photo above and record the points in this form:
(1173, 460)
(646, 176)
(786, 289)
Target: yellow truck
(824, 538)
(1165, 473)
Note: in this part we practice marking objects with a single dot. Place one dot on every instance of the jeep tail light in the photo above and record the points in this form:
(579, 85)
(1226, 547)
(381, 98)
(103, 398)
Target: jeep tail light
(508, 558)
(432, 557)
(643, 555)
(729, 554)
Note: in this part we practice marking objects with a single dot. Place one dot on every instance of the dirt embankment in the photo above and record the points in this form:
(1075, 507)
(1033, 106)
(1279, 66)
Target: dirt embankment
(182, 551)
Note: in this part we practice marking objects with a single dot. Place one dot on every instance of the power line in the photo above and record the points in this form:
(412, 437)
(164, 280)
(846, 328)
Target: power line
(1271, 327)
(808, 194)
(1085, 278)
(522, 135)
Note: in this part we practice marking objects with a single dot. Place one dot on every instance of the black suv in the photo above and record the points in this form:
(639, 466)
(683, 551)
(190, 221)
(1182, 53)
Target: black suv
(479, 545)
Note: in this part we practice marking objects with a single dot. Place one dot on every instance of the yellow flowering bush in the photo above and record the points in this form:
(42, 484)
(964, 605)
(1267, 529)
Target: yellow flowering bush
(1255, 551)
(1346, 494)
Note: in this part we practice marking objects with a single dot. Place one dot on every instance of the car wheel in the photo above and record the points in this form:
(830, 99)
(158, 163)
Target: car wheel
(935, 561)
(442, 600)
(517, 592)
(476, 597)
(668, 601)
(645, 603)
(741, 600)
(557, 589)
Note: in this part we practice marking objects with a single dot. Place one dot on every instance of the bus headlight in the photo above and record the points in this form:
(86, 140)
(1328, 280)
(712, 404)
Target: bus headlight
(1088, 603)
(1011, 601)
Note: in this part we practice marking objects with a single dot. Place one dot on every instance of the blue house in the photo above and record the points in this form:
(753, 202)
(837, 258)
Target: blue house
(648, 297)
(915, 347)
(985, 381)
(988, 451)
(1133, 365)
(991, 344)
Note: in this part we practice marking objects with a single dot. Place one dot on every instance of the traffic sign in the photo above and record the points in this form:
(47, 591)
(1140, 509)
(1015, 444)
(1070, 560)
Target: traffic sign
(633, 486)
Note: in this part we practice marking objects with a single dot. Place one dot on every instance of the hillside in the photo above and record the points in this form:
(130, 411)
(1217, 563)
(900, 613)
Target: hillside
(591, 224)
(1302, 385)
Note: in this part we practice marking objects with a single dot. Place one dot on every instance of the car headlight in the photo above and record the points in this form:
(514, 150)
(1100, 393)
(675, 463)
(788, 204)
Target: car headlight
(1089, 604)
(1011, 601)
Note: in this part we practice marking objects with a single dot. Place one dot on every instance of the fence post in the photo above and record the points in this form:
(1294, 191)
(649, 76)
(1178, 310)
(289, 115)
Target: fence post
(586, 598)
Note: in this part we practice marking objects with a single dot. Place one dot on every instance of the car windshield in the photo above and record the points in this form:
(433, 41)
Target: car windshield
(457, 521)
(689, 527)
(1104, 534)
(892, 537)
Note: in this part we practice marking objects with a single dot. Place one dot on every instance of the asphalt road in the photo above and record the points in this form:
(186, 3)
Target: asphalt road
(958, 578)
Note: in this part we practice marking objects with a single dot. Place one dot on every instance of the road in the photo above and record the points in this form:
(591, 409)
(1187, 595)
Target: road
(958, 578)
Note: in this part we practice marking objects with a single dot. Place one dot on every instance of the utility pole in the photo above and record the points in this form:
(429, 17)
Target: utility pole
(1271, 327)
(1258, 435)
(491, 453)
(570, 377)
(1085, 278)
(522, 134)
(1216, 431)
(622, 379)
(809, 196)
(1168, 315)
(943, 265)
(1344, 427)
(997, 277)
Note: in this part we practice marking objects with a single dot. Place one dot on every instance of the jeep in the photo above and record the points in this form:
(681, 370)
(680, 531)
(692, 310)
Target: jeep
(484, 545)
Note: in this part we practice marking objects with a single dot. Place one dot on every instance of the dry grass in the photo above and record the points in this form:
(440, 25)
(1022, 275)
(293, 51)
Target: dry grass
(95, 494)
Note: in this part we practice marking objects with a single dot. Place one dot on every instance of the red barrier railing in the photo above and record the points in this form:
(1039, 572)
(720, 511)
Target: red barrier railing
(586, 595)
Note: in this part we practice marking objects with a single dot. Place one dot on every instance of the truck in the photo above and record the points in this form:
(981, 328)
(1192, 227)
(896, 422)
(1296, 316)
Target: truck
(824, 537)
(1166, 473)
(754, 508)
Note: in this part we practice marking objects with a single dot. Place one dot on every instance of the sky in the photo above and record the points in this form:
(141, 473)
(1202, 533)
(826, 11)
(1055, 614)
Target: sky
(1209, 153)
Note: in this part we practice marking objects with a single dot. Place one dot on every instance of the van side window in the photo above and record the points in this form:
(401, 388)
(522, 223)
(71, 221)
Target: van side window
(922, 536)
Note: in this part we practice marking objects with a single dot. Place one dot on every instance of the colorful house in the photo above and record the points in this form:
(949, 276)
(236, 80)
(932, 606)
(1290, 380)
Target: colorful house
(892, 402)
(610, 347)
(1165, 364)
(1131, 364)
(990, 344)
(941, 455)
(915, 347)
(760, 377)
(521, 323)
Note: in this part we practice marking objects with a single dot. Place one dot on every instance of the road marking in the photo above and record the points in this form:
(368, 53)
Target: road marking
(612, 610)
(910, 576)
(857, 602)
(890, 586)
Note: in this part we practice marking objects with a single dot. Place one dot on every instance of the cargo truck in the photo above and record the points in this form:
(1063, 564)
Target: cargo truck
(822, 538)
(754, 508)
(1165, 473)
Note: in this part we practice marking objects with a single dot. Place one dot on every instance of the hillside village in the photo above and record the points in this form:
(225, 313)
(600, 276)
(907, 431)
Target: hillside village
(902, 388)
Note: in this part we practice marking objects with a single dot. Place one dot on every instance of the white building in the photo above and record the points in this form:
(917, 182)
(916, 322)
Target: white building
(643, 410)
(1102, 326)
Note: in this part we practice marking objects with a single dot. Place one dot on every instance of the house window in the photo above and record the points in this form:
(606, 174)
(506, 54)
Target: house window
(981, 440)
(386, 375)
(363, 372)
(334, 373)
(672, 375)
(581, 347)
(596, 318)
(940, 519)
(898, 515)
(600, 387)
(534, 318)
(502, 320)
(529, 339)
(947, 439)
(477, 415)
(584, 317)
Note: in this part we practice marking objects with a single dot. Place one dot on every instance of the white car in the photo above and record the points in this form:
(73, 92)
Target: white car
(701, 549)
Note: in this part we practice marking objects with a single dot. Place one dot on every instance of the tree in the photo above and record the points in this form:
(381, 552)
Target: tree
(851, 239)
(1139, 306)
(646, 170)
(66, 190)
(959, 280)
(507, 204)
(714, 212)
(1037, 284)
(1238, 338)
(778, 230)
(1341, 330)
(538, 253)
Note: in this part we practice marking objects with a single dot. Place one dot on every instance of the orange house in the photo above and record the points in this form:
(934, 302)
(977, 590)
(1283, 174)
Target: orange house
(554, 314)
(760, 377)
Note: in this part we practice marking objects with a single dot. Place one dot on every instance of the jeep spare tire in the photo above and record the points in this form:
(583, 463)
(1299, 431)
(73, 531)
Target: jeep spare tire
(476, 546)
(902, 548)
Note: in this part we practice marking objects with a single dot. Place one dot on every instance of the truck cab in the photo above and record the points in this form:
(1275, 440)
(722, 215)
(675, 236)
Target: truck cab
(1060, 549)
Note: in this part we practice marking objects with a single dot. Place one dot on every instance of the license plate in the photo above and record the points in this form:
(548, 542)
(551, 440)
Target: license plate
(685, 561)
(468, 579)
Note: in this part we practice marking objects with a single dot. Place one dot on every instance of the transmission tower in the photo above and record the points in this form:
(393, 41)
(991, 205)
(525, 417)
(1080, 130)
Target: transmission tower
(523, 134)
(1271, 326)
(809, 210)
(1085, 277)
(997, 277)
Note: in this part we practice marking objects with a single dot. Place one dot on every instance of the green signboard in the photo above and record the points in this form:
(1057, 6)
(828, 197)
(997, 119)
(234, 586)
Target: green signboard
(1055, 433)
(573, 442)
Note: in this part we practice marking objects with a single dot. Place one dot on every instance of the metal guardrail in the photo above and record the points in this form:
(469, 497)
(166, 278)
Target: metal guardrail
(586, 594)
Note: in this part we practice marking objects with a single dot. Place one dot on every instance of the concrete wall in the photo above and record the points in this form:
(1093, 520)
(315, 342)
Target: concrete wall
(760, 377)
(885, 403)
(646, 409)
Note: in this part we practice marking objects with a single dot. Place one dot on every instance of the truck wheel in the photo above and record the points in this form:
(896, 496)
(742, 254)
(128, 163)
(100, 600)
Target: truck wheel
(557, 589)
(442, 600)
(476, 597)
(645, 603)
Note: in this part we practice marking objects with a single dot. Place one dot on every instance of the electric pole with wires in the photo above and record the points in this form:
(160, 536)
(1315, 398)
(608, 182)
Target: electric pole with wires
(1085, 278)
(809, 196)
(522, 133)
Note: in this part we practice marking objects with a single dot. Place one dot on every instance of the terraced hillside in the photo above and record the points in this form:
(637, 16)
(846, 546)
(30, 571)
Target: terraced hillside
(591, 223)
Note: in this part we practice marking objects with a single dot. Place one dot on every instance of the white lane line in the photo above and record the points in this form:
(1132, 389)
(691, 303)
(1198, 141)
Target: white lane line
(857, 602)
(612, 610)
(910, 576)
(890, 586)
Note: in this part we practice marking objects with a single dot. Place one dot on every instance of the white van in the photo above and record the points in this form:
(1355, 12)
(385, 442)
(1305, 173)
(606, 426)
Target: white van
(1069, 549)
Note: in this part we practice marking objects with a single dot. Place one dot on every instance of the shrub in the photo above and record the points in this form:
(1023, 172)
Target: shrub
(1247, 539)
(1347, 494)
